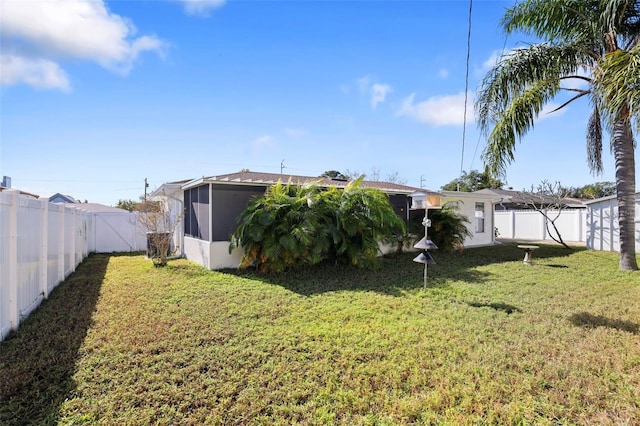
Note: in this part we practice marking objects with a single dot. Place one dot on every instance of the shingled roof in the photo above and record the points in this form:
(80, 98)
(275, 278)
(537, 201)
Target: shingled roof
(268, 179)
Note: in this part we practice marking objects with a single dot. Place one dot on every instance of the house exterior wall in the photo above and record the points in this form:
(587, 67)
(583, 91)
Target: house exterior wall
(221, 258)
(212, 255)
(198, 251)
(603, 232)
(400, 204)
(467, 205)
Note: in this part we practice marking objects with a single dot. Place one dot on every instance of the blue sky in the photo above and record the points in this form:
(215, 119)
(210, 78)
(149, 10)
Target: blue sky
(97, 96)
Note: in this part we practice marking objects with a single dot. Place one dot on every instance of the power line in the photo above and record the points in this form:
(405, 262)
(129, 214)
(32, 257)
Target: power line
(466, 92)
(504, 45)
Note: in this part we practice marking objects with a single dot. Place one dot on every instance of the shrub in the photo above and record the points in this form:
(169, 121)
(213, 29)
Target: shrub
(293, 225)
(448, 227)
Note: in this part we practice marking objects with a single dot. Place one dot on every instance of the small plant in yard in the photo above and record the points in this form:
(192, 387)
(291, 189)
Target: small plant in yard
(448, 227)
(158, 221)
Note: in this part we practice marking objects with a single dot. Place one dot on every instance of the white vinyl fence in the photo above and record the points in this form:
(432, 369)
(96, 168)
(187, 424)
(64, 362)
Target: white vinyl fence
(118, 232)
(531, 225)
(42, 243)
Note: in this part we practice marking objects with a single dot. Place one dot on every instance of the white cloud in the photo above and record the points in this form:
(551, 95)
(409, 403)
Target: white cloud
(201, 7)
(295, 133)
(438, 110)
(261, 143)
(81, 29)
(443, 73)
(38, 73)
(363, 84)
(493, 60)
(379, 93)
(490, 62)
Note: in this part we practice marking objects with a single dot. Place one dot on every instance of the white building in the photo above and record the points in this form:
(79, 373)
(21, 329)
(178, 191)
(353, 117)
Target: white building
(603, 232)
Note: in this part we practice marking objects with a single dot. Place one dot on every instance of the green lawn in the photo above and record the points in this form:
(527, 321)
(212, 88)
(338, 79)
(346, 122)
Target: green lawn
(492, 341)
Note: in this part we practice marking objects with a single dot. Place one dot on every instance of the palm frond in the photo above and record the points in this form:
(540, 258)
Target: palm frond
(621, 18)
(513, 122)
(617, 83)
(594, 140)
(518, 70)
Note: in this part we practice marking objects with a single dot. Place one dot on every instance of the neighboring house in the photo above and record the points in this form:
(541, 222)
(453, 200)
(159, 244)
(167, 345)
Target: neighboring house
(26, 194)
(603, 232)
(514, 200)
(209, 206)
(61, 198)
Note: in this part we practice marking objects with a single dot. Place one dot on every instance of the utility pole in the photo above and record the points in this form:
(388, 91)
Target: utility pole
(146, 185)
(281, 165)
(421, 180)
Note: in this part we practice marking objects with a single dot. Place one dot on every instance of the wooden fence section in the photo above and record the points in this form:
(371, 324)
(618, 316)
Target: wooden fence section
(42, 243)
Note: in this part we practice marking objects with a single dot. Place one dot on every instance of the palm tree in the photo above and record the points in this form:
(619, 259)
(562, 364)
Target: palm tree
(594, 41)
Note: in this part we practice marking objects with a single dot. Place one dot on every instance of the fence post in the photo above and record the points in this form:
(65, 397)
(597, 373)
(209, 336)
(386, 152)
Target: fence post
(73, 231)
(44, 248)
(61, 221)
(512, 225)
(544, 225)
(579, 225)
(14, 317)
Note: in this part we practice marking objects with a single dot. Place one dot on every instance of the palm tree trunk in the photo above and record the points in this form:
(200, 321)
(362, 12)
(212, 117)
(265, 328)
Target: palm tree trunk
(623, 150)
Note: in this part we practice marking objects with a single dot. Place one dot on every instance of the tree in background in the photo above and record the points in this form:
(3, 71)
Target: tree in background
(595, 42)
(376, 176)
(334, 174)
(593, 190)
(548, 199)
(292, 226)
(128, 205)
(473, 181)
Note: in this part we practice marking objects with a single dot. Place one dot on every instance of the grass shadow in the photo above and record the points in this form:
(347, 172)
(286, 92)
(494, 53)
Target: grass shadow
(400, 275)
(504, 307)
(38, 360)
(587, 320)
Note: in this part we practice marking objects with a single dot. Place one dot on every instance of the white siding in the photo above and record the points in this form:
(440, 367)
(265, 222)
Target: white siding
(467, 204)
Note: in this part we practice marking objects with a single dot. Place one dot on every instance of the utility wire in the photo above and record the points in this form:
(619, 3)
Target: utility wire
(466, 92)
(504, 45)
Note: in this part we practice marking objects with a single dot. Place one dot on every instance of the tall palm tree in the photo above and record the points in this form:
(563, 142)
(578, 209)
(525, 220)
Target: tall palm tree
(593, 41)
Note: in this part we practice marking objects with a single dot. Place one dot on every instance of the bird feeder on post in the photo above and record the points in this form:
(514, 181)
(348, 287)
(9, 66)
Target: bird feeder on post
(430, 200)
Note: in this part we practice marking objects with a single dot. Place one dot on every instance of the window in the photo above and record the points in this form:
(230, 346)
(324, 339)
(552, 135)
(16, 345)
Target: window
(479, 213)
(196, 212)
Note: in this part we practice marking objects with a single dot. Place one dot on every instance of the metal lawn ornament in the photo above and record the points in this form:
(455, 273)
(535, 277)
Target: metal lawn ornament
(425, 245)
